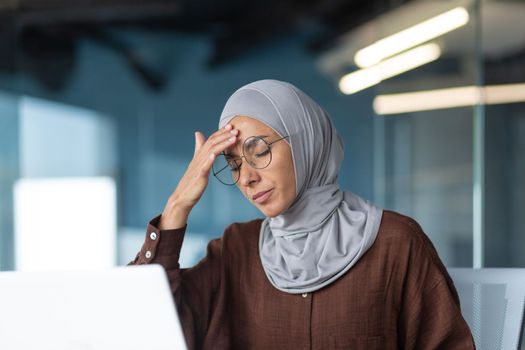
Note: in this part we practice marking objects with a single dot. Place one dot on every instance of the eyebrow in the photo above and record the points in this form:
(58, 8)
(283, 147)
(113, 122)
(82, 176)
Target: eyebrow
(233, 155)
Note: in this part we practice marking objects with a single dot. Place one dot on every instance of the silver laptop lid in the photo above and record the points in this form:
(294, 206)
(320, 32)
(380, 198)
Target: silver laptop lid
(121, 308)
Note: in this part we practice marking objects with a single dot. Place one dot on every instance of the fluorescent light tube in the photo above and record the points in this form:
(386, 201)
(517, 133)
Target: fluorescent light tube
(448, 98)
(364, 78)
(412, 36)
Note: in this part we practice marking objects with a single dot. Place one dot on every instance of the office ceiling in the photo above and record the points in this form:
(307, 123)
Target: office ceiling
(39, 37)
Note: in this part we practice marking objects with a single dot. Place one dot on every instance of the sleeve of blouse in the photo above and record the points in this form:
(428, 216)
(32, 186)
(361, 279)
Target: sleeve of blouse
(430, 316)
(197, 290)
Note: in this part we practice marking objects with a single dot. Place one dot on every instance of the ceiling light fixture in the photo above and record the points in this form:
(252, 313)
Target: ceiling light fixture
(364, 78)
(412, 36)
(448, 98)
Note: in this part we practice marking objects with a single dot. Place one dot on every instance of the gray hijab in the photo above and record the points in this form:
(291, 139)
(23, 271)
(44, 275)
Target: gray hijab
(325, 231)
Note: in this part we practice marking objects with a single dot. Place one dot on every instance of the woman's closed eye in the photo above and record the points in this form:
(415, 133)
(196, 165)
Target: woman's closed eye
(263, 153)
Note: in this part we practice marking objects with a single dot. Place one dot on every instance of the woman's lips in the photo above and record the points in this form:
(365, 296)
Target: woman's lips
(261, 197)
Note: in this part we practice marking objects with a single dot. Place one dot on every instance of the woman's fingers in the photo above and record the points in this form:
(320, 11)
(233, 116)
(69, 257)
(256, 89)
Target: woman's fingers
(214, 153)
(223, 144)
(199, 141)
(212, 147)
(220, 140)
(220, 134)
(195, 180)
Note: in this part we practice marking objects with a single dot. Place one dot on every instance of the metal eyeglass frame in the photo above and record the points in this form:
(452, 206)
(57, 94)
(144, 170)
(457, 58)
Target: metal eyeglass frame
(215, 173)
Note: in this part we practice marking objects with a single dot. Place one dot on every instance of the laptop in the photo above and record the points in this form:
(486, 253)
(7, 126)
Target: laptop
(123, 308)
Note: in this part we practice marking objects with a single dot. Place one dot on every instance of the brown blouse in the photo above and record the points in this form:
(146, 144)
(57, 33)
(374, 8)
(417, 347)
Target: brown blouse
(398, 296)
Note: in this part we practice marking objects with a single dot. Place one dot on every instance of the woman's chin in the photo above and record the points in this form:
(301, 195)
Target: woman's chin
(270, 215)
(270, 212)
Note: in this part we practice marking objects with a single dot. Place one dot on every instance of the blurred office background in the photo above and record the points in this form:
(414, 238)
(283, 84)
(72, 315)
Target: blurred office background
(99, 101)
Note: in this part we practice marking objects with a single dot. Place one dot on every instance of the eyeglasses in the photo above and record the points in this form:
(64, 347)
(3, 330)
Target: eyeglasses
(255, 150)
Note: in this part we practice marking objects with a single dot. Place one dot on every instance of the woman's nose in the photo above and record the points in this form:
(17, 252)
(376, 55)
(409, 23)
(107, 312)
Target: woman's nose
(249, 175)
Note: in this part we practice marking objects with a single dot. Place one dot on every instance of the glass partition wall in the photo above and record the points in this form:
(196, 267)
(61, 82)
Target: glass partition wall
(427, 151)
(448, 81)
(503, 64)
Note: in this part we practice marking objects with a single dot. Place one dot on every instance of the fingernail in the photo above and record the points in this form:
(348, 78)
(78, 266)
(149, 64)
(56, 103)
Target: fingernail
(234, 131)
(228, 127)
(212, 156)
(231, 139)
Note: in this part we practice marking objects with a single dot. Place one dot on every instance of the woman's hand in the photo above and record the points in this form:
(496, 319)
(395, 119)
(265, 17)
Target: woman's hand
(195, 180)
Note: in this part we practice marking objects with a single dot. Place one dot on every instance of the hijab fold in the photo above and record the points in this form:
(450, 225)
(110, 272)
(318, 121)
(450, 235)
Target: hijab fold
(325, 231)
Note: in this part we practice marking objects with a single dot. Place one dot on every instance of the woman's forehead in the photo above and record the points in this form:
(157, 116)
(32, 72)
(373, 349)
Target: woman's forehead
(248, 126)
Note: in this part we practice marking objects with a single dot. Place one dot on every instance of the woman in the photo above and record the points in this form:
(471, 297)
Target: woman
(325, 269)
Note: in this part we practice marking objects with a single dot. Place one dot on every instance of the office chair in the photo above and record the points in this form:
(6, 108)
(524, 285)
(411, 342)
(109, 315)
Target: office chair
(493, 304)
